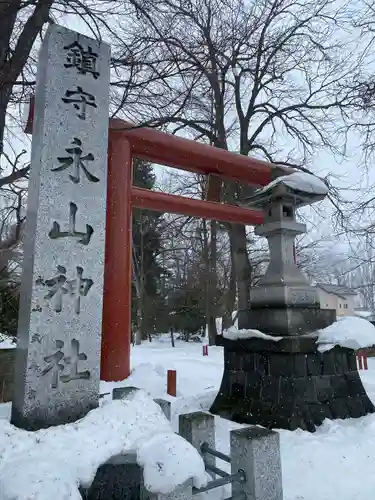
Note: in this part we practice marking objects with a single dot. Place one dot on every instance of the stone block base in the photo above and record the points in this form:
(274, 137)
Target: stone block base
(287, 321)
(7, 357)
(289, 389)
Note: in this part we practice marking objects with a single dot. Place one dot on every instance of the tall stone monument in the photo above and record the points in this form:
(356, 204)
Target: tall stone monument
(57, 370)
(287, 383)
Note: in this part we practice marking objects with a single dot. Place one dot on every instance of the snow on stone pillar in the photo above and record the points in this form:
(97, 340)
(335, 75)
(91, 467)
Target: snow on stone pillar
(57, 369)
(256, 451)
(183, 492)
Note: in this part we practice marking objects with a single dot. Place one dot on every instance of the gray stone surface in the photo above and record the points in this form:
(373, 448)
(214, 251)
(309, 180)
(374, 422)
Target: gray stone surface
(165, 407)
(288, 321)
(257, 452)
(7, 357)
(183, 492)
(123, 392)
(59, 334)
(198, 428)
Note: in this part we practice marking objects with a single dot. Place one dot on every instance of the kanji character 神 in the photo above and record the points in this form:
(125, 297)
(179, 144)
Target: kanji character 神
(79, 288)
(59, 286)
(83, 60)
(77, 161)
(80, 100)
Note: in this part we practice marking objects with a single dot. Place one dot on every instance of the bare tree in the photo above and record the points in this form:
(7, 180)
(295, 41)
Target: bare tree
(22, 24)
(267, 78)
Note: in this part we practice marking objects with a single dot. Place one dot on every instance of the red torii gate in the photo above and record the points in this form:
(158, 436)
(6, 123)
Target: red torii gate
(125, 142)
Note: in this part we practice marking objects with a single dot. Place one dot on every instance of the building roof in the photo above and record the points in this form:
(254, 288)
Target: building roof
(339, 290)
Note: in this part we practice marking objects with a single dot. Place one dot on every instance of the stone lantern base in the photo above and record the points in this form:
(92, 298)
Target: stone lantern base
(287, 320)
(288, 384)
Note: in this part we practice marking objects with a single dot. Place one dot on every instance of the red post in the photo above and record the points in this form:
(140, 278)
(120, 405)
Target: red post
(116, 334)
(205, 350)
(359, 358)
(172, 383)
(365, 362)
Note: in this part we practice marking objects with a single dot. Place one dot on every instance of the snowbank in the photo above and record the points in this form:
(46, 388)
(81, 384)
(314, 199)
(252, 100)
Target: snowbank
(53, 463)
(151, 378)
(302, 181)
(350, 331)
(234, 334)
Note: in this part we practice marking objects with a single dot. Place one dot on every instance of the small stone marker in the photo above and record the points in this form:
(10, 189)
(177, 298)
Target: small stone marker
(59, 335)
(123, 392)
(198, 428)
(256, 451)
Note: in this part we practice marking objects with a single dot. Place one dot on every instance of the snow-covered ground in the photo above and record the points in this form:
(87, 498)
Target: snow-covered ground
(338, 461)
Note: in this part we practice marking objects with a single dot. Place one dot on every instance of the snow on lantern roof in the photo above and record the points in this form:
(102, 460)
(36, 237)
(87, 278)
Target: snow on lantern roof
(302, 187)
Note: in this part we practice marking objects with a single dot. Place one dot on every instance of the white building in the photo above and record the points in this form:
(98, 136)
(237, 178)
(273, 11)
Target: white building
(337, 297)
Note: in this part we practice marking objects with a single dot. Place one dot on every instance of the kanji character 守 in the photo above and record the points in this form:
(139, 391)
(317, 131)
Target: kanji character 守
(80, 100)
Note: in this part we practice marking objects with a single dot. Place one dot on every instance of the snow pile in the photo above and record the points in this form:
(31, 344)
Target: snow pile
(349, 331)
(234, 334)
(151, 378)
(53, 463)
(7, 342)
(301, 181)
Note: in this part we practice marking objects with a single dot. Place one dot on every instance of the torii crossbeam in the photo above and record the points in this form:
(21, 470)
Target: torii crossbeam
(125, 142)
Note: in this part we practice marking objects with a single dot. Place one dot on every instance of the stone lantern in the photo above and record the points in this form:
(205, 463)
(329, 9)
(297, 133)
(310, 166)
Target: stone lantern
(283, 380)
(284, 302)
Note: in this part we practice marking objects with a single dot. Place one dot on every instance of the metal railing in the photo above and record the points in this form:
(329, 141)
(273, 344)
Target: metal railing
(211, 451)
(225, 477)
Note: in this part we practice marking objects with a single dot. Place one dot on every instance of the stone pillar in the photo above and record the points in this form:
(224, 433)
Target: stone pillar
(7, 357)
(60, 319)
(198, 428)
(256, 451)
(165, 407)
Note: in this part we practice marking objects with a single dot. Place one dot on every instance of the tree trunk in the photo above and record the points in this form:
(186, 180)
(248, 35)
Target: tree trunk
(5, 94)
(240, 260)
(212, 286)
(172, 337)
(230, 296)
(12, 62)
